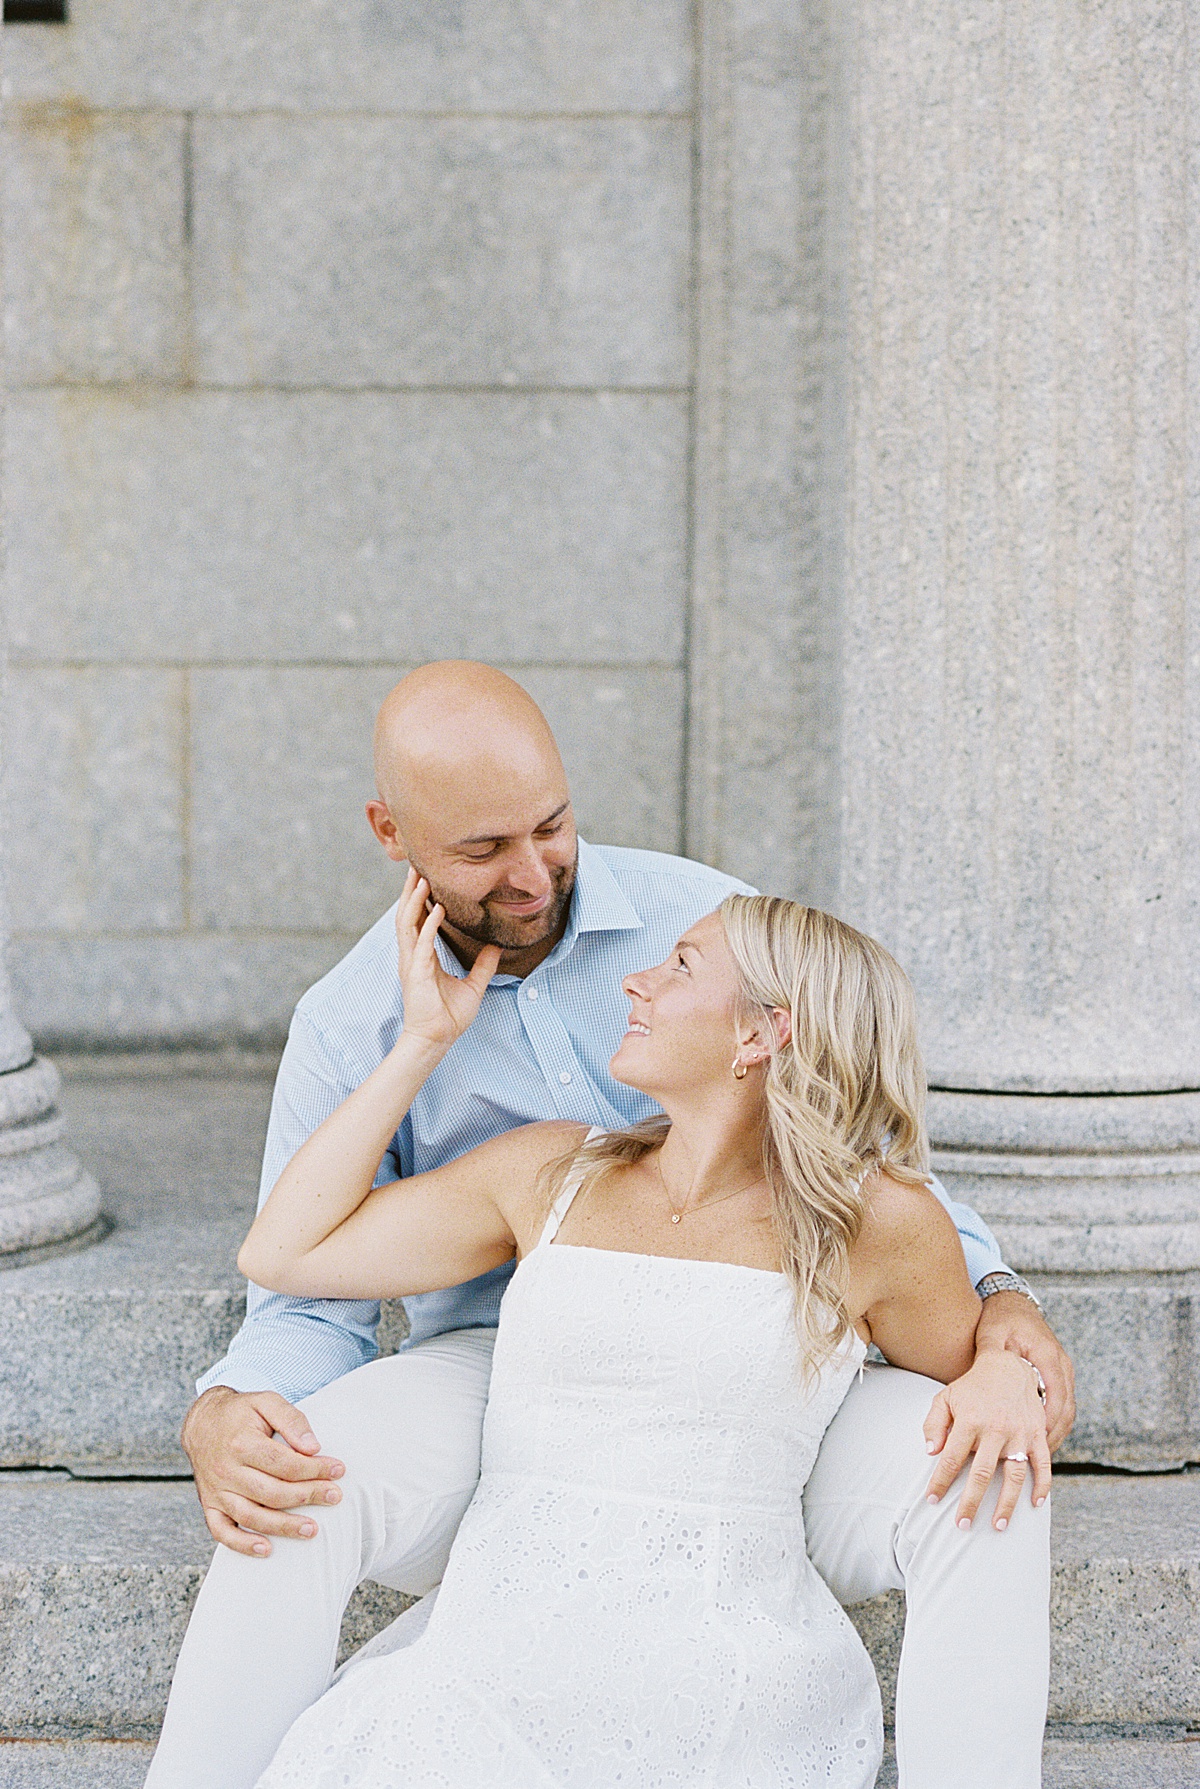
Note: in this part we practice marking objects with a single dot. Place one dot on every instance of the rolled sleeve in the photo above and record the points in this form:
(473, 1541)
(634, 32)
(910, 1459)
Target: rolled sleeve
(980, 1247)
(294, 1346)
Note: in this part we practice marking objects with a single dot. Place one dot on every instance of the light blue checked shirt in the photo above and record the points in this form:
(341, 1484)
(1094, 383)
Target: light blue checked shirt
(538, 1048)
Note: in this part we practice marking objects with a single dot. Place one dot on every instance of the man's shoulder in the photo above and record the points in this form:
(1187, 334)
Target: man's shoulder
(362, 986)
(663, 876)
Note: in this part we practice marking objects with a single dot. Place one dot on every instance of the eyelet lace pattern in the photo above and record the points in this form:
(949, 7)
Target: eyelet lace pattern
(628, 1604)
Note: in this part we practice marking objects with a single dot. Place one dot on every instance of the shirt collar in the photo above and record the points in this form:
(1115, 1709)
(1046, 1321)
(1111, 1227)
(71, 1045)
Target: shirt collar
(597, 905)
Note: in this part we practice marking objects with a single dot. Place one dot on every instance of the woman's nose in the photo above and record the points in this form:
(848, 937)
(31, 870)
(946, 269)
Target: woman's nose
(633, 988)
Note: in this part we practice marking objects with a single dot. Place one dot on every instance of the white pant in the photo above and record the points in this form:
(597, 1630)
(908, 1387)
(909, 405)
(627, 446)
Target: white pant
(262, 1640)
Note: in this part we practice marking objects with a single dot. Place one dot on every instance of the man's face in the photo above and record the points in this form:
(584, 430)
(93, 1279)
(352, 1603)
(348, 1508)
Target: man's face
(509, 880)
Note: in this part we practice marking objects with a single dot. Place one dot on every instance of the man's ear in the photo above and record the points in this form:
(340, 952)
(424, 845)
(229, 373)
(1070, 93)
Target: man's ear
(379, 818)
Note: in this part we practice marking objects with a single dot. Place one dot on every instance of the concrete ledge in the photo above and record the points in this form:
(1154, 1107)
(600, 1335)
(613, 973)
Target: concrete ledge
(96, 1585)
(1109, 1762)
(97, 1580)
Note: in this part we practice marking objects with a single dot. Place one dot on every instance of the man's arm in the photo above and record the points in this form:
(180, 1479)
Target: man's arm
(1011, 1321)
(255, 1461)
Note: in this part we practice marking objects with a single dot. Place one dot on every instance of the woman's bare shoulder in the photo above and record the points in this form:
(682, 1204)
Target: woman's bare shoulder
(534, 1146)
(900, 1215)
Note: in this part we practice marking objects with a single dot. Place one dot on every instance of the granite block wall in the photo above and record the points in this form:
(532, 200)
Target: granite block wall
(339, 336)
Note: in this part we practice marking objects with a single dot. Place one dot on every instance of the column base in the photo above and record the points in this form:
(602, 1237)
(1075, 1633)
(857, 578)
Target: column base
(1097, 1197)
(47, 1202)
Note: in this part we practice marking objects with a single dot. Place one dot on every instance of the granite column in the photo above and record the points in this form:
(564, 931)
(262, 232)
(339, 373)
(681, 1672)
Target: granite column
(1020, 643)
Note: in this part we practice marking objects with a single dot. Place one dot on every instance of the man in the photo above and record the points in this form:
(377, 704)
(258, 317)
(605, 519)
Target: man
(473, 794)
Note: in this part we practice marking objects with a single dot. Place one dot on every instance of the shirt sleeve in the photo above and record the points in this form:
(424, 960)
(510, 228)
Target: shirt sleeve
(979, 1245)
(296, 1345)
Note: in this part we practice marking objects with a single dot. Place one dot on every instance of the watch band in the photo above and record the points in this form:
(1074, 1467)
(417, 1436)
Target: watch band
(1004, 1281)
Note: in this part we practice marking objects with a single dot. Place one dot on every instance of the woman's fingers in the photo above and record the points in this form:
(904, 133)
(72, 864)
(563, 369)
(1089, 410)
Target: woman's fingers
(1010, 1490)
(412, 903)
(987, 1455)
(483, 968)
(937, 1424)
(956, 1451)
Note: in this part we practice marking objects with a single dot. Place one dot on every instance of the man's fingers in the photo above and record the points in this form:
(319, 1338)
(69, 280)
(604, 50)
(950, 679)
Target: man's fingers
(1060, 1409)
(287, 1421)
(228, 1534)
(259, 1521)
(278, 1460)
(1010, 1490)
(1039, 1459)
(978, 1480)
(277, 1493)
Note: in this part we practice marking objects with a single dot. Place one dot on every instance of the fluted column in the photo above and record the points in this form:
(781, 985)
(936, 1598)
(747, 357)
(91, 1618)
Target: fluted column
(48, 1204)
(1021, 637)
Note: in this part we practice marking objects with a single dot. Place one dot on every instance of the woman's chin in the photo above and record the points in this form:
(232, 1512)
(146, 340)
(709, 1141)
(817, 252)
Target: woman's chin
(622, 1069)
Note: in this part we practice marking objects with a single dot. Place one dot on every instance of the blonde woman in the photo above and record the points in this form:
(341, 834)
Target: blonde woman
(628, 1603)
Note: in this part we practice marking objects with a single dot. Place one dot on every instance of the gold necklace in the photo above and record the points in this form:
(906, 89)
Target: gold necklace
(677, 1215)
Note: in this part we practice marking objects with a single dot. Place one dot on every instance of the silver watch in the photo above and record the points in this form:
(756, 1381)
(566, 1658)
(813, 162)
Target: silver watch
(991, 1283)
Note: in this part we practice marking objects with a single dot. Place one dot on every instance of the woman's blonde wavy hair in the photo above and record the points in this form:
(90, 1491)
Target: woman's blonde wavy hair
(845, 1091)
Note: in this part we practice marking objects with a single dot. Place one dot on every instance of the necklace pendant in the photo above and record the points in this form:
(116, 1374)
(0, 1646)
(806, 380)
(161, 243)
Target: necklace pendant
(675, 1216)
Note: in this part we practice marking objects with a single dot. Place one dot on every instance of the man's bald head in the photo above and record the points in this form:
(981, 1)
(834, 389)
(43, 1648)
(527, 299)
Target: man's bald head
(472, 791)
(457, 725)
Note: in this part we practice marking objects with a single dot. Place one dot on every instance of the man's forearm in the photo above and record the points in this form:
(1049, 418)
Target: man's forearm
(295, 1345)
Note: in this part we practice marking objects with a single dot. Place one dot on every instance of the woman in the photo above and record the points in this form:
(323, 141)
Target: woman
(628, 1601)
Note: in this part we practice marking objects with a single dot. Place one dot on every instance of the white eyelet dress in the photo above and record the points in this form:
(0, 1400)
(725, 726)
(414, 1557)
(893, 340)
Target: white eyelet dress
(628, 1603)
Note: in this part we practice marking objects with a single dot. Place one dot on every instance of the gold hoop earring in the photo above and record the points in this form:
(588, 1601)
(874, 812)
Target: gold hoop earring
(738, 1063)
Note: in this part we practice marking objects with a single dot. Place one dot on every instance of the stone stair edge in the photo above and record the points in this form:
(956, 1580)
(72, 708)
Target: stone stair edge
(97, 1580)
(1155, 1759)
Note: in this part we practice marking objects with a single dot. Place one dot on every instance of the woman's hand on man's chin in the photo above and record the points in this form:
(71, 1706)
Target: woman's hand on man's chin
(437, 1007)
(995, 1413)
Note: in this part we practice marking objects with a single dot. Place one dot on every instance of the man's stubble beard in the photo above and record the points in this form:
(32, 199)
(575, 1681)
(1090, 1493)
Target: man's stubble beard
(485, 923)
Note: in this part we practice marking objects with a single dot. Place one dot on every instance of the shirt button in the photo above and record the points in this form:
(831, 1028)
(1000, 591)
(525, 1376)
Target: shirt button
(531, 993)
(564, 1077)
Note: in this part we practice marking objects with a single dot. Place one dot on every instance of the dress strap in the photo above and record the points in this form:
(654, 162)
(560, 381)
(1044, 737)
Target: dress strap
(562, 1204)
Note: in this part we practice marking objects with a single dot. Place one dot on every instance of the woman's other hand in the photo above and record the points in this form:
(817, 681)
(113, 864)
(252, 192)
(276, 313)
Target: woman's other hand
(1010, 1320)
(995, 1413)
(437, 1007)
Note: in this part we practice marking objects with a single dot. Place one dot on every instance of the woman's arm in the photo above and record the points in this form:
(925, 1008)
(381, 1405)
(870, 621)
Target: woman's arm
(319, 1235)
(911, 1282)
(324, 1233)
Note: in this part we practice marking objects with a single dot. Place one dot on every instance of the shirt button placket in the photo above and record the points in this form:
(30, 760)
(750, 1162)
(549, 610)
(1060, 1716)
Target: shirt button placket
(551, 1046)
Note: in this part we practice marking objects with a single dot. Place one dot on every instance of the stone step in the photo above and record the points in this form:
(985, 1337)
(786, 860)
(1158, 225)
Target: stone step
(1097, 1762)
(97, 1578)
(99, 1350)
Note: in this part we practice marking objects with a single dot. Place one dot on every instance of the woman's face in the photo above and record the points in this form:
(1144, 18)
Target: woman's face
(682, 1020)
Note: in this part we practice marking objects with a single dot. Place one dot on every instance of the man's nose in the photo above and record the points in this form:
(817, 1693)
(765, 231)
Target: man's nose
(528, 872)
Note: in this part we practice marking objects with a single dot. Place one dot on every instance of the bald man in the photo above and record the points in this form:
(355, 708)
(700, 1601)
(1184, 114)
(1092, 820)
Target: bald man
(473, 794)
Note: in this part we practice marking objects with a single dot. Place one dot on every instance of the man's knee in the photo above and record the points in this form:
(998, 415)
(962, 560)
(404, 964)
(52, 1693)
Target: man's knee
(413, 1420)
(875, 1445)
